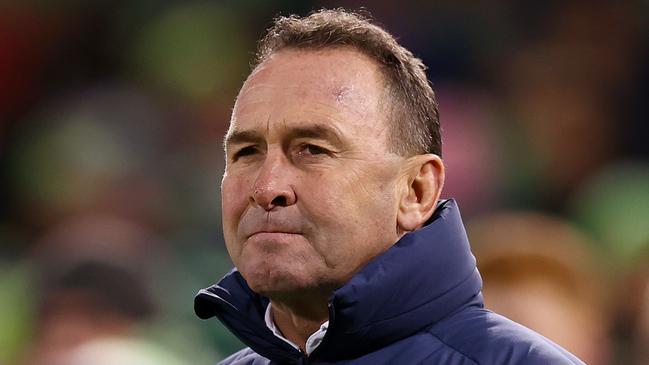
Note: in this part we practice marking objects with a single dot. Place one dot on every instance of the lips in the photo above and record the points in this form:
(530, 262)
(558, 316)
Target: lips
(256, 224)
(272, 233)
(272, 239)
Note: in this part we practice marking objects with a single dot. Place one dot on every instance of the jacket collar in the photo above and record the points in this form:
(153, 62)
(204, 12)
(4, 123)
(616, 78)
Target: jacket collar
(423, 278)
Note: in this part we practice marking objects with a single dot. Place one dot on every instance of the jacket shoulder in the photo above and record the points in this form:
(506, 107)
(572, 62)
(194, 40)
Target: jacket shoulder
(489, 338)
(245, 357)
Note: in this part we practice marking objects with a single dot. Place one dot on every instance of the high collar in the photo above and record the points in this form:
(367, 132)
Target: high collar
(423, 278)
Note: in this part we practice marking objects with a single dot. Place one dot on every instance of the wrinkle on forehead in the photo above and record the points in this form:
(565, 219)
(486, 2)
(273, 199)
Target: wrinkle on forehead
(322, 67)
(326, 82)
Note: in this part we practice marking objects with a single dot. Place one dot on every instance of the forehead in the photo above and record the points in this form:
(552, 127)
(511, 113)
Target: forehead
(339, 84)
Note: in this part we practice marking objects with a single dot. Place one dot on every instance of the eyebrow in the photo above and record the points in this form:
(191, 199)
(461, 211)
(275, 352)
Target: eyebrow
(237, 137)
(316, 131)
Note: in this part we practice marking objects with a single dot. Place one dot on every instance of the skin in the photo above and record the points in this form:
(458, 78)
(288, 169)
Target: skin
(311, 192)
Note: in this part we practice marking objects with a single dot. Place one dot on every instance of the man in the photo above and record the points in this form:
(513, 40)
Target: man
(343, 252)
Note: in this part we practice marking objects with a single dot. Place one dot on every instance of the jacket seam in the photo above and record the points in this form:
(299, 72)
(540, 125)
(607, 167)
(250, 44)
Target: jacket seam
(452, 348)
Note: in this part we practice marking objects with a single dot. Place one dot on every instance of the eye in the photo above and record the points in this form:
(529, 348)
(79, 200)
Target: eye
(310, 149)
(243, 152)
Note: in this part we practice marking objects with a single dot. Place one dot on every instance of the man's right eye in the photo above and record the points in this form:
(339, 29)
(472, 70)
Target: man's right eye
(246, 151)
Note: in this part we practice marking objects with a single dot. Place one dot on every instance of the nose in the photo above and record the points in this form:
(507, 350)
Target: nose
(273, 186)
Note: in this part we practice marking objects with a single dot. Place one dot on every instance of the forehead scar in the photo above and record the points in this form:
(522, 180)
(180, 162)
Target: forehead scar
(340, 93)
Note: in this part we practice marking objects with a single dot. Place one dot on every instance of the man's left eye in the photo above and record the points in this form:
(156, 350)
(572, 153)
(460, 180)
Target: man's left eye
(310, 149)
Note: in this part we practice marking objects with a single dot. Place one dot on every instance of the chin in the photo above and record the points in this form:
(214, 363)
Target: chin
(277, 282)
(261, 280)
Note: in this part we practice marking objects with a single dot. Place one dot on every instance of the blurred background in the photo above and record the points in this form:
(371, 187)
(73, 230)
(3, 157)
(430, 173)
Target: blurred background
(112, 115)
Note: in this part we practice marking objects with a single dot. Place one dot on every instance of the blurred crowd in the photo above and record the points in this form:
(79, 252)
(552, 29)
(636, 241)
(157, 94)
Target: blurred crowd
(112, 115)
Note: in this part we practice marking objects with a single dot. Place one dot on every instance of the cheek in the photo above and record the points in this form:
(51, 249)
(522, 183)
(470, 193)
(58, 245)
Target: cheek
(351, 209)
(365, 194)
(234, 192)
(234, 200)
(352, 196)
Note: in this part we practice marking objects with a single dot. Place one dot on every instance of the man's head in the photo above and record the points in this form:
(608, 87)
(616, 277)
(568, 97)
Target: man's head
(319, 180)
(410, 102)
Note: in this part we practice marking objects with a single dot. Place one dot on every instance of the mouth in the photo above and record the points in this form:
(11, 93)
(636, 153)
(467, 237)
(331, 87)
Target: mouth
(272, 238)
(273, 234)
(256, 226)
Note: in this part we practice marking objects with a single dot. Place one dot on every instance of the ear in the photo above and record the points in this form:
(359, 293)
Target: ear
(423, 185)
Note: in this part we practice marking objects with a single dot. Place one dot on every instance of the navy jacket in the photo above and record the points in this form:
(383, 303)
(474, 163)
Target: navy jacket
(417, 303)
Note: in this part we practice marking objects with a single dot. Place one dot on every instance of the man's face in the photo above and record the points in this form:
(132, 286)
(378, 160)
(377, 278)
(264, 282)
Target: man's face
(310, 189)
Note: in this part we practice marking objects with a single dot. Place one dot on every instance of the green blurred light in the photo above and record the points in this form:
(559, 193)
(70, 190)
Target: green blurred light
(16, 311)
(194, 49)
(614, 206)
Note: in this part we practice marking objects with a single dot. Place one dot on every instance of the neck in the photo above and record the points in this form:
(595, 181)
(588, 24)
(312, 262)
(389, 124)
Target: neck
(299, 319)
